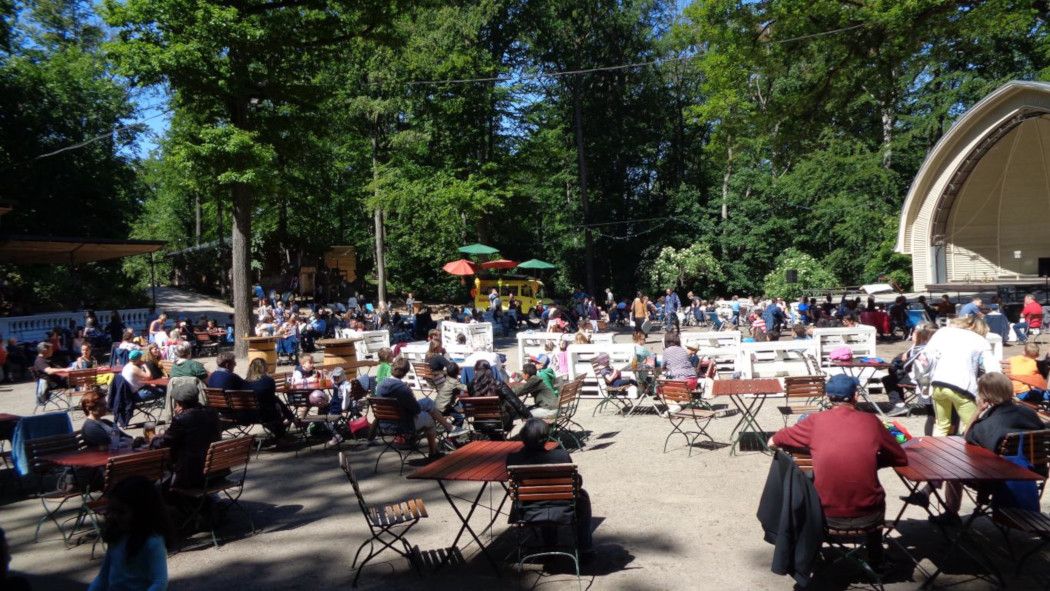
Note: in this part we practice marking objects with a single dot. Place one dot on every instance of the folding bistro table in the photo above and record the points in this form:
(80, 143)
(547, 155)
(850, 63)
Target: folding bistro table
(747, 396)
(951, 459)
(484, 462)
(858, 370)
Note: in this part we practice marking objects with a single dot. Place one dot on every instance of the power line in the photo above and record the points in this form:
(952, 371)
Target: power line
(101, 136)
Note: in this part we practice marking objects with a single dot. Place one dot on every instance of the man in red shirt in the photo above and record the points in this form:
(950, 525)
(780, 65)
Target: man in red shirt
(848, 448)
(1031, 317)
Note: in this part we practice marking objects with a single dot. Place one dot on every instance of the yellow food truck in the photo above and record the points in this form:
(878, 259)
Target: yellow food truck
(526, 290)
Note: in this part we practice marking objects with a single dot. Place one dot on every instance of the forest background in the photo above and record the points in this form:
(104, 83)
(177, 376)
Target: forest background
(634, 143)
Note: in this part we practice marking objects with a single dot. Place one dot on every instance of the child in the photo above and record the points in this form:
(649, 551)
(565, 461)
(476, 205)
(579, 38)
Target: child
(1025, 366)
(385, 356)
(137, 532)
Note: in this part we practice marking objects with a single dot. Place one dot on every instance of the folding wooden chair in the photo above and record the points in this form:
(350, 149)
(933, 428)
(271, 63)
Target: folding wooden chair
(387, 524)
(803, 394)
(389, 419)
(54, 500)
(485, 416)
(80, 381)
(165, 366)
(1035, 445)
(677, 393)
(298, 402)
(205, 343)
(225, 469)
(545, 483)
(425, 378)
(614, 395)
(568, 402)
(49, 395)
(149, 464)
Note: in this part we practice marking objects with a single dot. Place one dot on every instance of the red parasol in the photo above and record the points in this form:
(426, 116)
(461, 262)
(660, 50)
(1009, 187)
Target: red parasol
(499, 264)
(459, 267)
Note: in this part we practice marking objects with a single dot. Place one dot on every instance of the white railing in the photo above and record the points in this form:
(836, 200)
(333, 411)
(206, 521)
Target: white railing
(721, 346)
(36, 327)
(531, 343)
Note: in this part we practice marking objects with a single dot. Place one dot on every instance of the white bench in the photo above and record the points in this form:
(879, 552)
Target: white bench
(580, 356)
(721, 346)
(479, 335)
(775, 359)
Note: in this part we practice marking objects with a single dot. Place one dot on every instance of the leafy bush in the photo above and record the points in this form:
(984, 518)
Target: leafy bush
(811, 275)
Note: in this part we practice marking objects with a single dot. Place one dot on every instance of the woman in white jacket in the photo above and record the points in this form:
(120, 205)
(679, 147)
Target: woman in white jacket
(959, 353)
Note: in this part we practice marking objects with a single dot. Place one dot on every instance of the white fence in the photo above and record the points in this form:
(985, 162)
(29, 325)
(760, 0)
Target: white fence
(369, 343)
(775, 359)
(35, 328)
(721, 346)
(532, 343)
(479, 335)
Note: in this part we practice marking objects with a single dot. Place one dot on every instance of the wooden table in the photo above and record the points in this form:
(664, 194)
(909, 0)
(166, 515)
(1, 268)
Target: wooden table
(64, 373)
(477, 461)
(747, 396)
(856, 370)
(951, 459)
(85, 458)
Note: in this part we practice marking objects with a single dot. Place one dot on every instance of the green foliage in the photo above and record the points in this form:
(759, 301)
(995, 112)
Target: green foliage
(695, 267)
(811, 275)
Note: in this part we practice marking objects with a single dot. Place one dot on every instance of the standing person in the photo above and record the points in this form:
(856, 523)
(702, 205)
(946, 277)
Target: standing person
(848, 447)
(1031, 317)
(137, 533)
(157, 326)
(639, 313)
(671, 306)
(592, 314)
(773, 317)
(115, 328)
(495, 305)
(610, 302)
(959, 353)
(910, 367)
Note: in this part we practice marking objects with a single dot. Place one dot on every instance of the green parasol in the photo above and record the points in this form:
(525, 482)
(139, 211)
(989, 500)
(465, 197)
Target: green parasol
(536, 264)
(478, 249)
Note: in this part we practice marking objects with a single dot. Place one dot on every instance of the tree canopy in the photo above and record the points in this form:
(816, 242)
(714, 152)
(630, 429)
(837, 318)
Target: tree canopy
(632, 143)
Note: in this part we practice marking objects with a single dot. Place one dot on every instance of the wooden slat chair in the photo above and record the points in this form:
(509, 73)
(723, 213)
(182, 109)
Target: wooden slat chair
(149, 464)
(243, 413)
(389, 419)
(561, 423)
(802, 395)
(165, 366)
(298, 402)
(425, 377)
(677, 393)
(849, 544)
(614, 395)
(225, 470)
(387, 524)
(81, 381)
(205, 343)
(545, 483)
(1035, 445)
(485, 416)
(53, 500)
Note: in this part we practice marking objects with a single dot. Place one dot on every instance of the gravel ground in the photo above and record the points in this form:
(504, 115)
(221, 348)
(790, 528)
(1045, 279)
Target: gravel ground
(662, 521)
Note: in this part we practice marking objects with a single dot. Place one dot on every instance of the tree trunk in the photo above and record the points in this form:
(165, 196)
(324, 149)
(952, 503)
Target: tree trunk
(725, 183)
(380, 230)
(888, 121)
(197, 219)
(240, 246)
(581, 165)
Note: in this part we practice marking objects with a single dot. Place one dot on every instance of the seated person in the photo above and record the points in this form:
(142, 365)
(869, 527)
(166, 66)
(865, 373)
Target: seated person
(997, 415)
(848, 447)
(96, 430)
(151, 359)
(223, 376)
(1024, 369)
(136, 375)
(273, 413)
(534, 436)
(185, 366)
(612, 377)
(448, 390)
(384, 356)
(85, 361)
(545, 371)
(642, 354)
(676, 361)
(1031, 317)
(44, 368)
(485, 383)
(420, 415)
(546, 401)
(193, 429)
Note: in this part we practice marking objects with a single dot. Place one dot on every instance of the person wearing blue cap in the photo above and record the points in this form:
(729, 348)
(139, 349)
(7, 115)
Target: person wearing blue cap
(848, 447)
(137, 375)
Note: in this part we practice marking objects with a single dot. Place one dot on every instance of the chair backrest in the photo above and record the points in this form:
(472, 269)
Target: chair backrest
(227, 455)
(150, 464)
(569, 392)
(49, 446)
(242, 400)
(216, 398)
(33, 427)
(357, 391)
(803, 460)
(297, 398)
(166, 366)
(1035, 445)
(83, 378)
(807, 387)
(425, 376)
(385, 409)
(674, 391)
(204, 338)
(344, 463)
(543, 482)
(482, 408)
(281, 381)
(603, 386)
